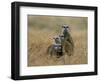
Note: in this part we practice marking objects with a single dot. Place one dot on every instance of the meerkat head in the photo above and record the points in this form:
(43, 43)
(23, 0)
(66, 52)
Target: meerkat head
(61, 37)
(65, 28)
(57, 39)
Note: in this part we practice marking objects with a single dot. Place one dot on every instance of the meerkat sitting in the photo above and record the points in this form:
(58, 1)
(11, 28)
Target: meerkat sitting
(55, 48)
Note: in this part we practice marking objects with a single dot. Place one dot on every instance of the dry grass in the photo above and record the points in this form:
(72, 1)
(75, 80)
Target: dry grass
(39, 40)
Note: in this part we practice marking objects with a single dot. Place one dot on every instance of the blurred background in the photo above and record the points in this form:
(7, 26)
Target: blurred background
(55, 22)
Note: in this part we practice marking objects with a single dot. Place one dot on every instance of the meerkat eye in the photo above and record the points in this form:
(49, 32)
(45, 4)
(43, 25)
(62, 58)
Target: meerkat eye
(63, 26)
(53, 38)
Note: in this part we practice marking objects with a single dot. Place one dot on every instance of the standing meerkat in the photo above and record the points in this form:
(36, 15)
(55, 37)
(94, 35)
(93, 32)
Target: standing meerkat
(68, 44)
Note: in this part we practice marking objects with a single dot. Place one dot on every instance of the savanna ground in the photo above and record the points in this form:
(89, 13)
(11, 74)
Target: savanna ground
(42, 29)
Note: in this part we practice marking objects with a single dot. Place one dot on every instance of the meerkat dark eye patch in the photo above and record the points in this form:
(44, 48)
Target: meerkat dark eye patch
(63, 26)
(57, 38)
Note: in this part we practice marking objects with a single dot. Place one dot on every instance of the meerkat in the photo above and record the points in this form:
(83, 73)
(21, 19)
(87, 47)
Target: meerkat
(57, 40)
(68, 44)
(55, 48)
(61, 38)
